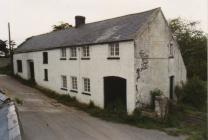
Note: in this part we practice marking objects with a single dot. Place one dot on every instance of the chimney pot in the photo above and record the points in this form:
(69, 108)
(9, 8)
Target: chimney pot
(79, 20)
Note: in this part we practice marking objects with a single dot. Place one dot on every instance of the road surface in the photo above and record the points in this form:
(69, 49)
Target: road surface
(43, 118)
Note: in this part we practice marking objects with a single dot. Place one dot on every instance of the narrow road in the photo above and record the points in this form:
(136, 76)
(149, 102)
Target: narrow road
(43, 118)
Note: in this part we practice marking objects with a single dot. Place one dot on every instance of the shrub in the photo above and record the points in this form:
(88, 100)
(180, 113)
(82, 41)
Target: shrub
(154, 93)
(193, 93)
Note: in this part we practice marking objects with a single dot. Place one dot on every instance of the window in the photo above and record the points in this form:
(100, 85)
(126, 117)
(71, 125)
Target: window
(85, 52)
(64, 82)
(171, 49)
(73, 52)
(114, 51)
(74, 83)
(19, 65)
(63, 53)
(45, 57)
(45, 74)
(86, 85)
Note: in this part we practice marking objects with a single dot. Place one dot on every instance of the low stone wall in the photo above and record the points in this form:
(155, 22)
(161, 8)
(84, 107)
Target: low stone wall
(4, 62)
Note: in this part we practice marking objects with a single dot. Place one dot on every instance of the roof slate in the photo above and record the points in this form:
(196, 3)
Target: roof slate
(111, 30)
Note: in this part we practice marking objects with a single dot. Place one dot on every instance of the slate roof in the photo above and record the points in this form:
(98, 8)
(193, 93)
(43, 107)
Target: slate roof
(116, 29)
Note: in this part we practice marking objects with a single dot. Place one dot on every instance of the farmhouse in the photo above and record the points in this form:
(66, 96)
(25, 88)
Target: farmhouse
(110, 62)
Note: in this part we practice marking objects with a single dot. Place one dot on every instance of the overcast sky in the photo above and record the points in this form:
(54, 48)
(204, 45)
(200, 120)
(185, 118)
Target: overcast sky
(33, 17)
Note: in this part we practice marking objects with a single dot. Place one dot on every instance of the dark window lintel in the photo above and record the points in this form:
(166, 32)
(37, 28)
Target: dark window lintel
(85, 58)
(113, 58)
(72, 58)
(75, 91)
(62, 58)
(64, 89)
(85, 93)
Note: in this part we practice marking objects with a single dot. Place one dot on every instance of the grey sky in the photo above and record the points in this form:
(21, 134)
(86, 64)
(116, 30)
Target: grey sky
(33, 17)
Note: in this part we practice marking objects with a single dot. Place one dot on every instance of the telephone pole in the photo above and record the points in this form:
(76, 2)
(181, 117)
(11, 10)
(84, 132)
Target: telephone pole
(10, 48)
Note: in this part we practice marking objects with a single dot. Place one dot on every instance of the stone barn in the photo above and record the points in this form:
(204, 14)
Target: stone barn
(116, 61)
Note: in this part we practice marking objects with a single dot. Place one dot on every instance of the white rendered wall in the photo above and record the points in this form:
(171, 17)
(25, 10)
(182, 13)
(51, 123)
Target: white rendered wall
(96, 69)
(154, 43)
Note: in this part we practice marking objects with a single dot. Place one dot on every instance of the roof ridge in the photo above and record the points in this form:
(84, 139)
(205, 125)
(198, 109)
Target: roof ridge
(97, 22)
(126, 15)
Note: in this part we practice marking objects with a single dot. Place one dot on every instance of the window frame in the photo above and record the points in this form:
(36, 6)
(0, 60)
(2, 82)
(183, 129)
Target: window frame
(45, 74)
(85, 52)
(86, 86)
(114, 51)
(171, 50)
(63, 82)
(73, 53)
(74, 84)
(45, 57)
(63, 54)
(19, 66)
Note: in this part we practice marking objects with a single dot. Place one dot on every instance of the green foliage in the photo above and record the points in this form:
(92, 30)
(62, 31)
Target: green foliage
(61, 26)
(19, 101)
(174, 121)
(193, 47)
(154, 93)
(193, 93)
(3, 47)
(6, 70)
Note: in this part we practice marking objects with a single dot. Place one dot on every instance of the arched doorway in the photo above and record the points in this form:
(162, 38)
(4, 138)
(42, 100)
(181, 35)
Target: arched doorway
(114, 93)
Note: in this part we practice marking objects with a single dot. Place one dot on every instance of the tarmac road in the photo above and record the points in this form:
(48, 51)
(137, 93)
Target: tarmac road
(43, 118)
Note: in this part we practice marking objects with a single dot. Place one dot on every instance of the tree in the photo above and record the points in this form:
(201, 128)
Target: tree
(192, 42)
(3, 47)
(61, 26)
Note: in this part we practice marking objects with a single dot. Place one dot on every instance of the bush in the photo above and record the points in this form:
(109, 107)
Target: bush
(154, 93)
(193, 93)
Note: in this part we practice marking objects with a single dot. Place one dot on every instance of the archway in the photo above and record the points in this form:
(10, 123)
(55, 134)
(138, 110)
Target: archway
(115, 93)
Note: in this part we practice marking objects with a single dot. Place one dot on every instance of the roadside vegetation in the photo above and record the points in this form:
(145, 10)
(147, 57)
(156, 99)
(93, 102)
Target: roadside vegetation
(6, 70)
(183, 118)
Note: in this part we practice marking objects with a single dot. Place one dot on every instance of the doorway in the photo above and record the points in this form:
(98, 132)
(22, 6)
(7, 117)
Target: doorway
(171, 87)
(31, 70)
(115, 93)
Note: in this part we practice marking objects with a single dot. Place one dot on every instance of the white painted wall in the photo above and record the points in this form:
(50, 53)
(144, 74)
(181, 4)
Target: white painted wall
(154, 41)
(96, 69)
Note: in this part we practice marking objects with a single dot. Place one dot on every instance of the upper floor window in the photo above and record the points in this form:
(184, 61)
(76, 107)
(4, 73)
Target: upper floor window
(63, 53)
(86, 52)
(114, 49)
(19, 65)
(86, 85)
(74, 83)
(45, 74)
(45, 57)
(73, 52)
(64, 82)
(171, 50)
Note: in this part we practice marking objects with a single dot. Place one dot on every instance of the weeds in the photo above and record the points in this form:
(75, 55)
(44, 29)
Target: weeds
(174, 125)
(18, 101)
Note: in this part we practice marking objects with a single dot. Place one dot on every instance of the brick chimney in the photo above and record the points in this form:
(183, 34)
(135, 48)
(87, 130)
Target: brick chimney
(79, 20)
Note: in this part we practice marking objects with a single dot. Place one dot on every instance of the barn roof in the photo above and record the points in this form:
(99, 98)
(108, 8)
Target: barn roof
(122, 28)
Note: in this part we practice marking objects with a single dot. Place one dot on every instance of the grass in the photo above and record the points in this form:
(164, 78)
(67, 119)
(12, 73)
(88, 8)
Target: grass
(6, 70)
(18, 101)
(175, 123)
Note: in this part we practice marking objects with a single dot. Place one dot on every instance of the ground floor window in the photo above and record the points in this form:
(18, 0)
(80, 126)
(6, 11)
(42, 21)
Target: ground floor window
(64, 82)
(45, 74)
(86, 84)
(74, 83)
(19, 65)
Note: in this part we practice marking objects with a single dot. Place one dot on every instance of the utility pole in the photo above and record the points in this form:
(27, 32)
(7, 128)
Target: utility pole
(10, 48)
